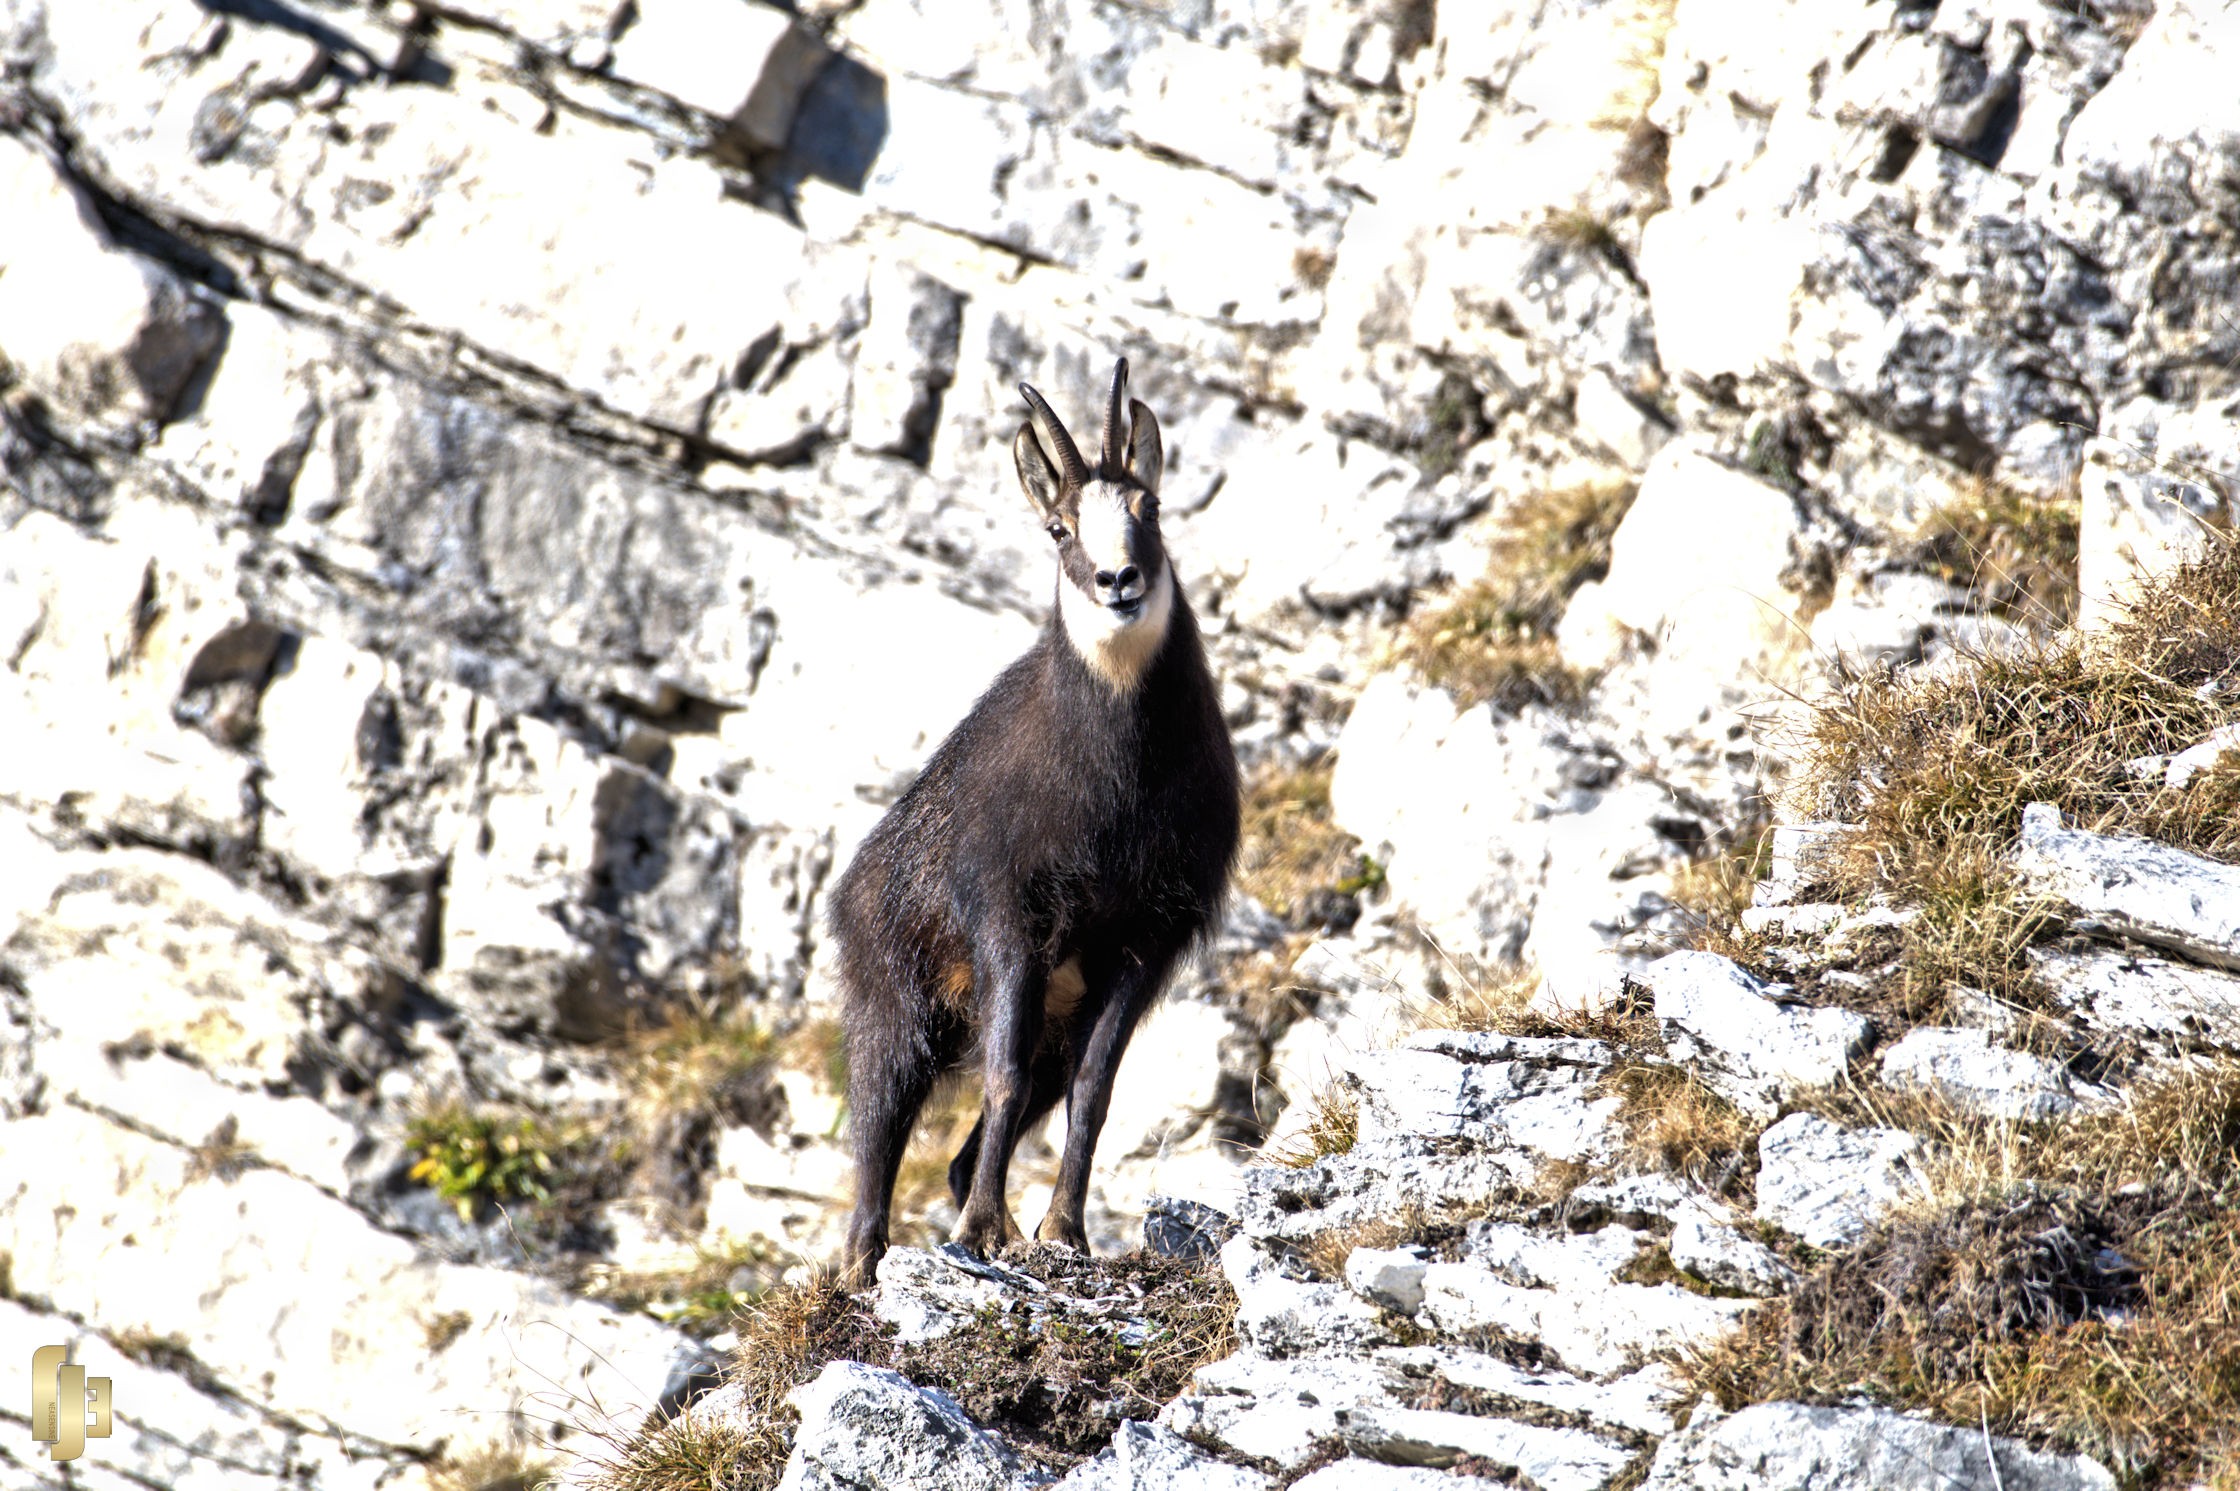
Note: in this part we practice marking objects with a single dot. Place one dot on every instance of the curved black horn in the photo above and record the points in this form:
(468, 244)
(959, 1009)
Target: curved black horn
(1054, 435)
(1114, 461)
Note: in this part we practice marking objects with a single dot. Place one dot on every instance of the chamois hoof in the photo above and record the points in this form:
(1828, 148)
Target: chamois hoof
(1064, 1234)
(985, 1236)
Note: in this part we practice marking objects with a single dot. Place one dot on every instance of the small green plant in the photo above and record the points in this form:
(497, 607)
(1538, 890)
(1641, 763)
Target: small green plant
(471, 1157)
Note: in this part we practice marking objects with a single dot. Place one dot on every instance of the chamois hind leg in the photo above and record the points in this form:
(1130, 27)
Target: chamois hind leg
(1047, 1085)
(892, 1065)
(1011, 988)
(1132, 987)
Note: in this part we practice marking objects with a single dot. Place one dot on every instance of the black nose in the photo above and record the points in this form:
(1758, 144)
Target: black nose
(1121, 581)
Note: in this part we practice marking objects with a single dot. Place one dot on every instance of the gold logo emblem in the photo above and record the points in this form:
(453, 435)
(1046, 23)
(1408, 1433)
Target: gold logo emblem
(66, 1405)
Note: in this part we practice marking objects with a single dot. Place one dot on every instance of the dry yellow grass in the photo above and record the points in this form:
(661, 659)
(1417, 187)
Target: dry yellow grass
(1493, 640)
(1332, 1128)
(494, 1467)
(1289, 850)
(2016, 550)
(1936, 769)
(2074, 1282)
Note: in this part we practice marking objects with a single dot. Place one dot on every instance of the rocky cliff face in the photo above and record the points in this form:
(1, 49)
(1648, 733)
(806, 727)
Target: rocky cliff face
(496, 496)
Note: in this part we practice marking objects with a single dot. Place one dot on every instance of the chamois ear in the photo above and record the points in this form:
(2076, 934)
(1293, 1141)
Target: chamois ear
(1037, 477)
(1146, 457)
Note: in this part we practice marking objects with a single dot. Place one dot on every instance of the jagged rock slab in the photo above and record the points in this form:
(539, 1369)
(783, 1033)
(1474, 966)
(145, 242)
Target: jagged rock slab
(1751, 1045)
(1826, 1184)
(1151, 1457)
(1284, 1411)
(1720, 1254)
(1791, 1447)
(2123, 989)
(1375, 1475)
(1280, 1411)
(2137, 887)
(168, 1431)
(1967, 1070)
(1492, 1090)
(1553, 1459)
(104, 1222)
(1283, 1316)
(926, 1295)
(1388, 1277)
(1611, 1329)
(864, 1427)
(1641, 1400)
(1582, 1261)
(105, 335)
(1443, 1120)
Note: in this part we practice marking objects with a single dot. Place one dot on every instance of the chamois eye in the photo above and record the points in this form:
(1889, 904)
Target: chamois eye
(1057, 532)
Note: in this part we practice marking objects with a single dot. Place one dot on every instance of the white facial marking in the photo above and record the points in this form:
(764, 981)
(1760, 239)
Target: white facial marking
(1102, 529)
(1116, 647)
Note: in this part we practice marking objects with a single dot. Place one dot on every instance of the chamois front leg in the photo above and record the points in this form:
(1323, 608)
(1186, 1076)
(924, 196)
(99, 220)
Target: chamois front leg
(1010, 1033)
(1133, 984)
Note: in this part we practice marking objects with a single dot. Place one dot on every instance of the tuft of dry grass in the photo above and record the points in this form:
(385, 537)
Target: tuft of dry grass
(1936, 767)
(1493, 641)
(493, 1467)
(1291, 856)
(2076, 1283)
(693, 1062)
(2014, 549)
(1674, 1123)
(1056, 1384)
(1714, 890)
(785, 1339)
(1333, 1129)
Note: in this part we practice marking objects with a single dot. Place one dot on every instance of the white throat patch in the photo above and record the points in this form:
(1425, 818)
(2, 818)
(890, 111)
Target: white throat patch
(1116, 648)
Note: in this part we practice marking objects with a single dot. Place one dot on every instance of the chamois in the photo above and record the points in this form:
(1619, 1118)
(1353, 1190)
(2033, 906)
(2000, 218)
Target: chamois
(1031, 893)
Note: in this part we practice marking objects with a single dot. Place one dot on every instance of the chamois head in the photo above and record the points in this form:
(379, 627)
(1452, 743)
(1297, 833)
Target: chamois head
(1115, 589)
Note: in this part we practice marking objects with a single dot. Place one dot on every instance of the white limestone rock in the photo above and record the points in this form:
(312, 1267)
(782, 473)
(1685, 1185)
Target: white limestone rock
(1826, 1185)
(1696, 563)
(2147, 507)
(1554, 1459)
(1376, 1475)
(106, 336)
(1279, 1410)
(2208, 754)
(2137, 887)
(1967, 1070)
(112, 1231)
(1792, 1447)
(743, 62)
(1151, 1457)
(2123, 989)
(866, 1426)
(1282, 1316)
(1390, 1277)
(1578, 1261)
(1721, 1254)
(927, 1294)
(1747, 1043)
(1642, 1400)
(1617, 1327)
